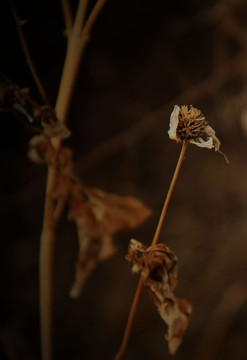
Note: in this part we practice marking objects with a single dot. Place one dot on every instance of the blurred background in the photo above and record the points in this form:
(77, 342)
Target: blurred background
(142, 59)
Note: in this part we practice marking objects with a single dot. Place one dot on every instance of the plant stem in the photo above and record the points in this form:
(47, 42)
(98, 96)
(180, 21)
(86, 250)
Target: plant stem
(75, 50)
(130, 320)
(76, 46)
(155, 240)
(169, 194)
(47, 241)
(67, 16)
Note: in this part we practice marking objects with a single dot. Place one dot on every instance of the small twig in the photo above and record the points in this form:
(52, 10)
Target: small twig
(80, 17)
(68, 19)
(27, 54)
(155, 239)
(93, 17)
(130, 320)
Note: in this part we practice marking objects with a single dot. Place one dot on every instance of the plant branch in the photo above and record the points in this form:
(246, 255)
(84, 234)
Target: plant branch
(80, 17)
(155, 239)
(130, 320)
(27, 54)
(169, 194)
(47, 241)
(68, 19)
(75, 51)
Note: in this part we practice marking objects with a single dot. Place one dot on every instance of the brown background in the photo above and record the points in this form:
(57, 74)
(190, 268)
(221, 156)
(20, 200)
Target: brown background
(143, 58)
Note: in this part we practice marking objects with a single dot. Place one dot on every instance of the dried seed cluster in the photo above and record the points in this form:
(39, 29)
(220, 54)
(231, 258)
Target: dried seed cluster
(191, 123)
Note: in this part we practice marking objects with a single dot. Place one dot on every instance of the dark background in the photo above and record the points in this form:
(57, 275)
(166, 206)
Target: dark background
(143, 58)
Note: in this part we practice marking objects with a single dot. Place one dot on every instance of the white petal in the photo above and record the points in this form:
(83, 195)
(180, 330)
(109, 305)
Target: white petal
(211, 133)
(174, 123)
(209, 144)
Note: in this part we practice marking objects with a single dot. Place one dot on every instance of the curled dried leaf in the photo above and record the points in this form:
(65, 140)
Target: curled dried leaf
(12, 98)
(98, 217)
(107, 213)
(41, 150)
(64, 159)
(51, 125)
(158, 266)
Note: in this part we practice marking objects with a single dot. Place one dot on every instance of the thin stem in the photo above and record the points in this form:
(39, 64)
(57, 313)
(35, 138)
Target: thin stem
(169, 194)
(155, 239)
(130, 320)
(80, 17)
(27, 54)
(45, 268)
(67, 16)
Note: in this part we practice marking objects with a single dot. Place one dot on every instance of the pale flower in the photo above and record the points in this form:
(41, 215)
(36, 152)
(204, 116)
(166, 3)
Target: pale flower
(188, 124)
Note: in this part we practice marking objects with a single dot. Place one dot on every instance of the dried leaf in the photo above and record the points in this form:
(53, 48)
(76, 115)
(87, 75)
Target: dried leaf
(13, 98)
(98, 216)
(56, 129)
(41, 150)
(50, 123)
(158, 264)
(106, 213)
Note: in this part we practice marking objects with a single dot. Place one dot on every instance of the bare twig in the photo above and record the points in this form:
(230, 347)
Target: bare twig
(155, 239)
(80, 17)
(68, 18)
(27, 54)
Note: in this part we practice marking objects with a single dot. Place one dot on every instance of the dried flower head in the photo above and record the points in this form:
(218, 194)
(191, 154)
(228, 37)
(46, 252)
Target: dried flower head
(189, 124)
(158, 267)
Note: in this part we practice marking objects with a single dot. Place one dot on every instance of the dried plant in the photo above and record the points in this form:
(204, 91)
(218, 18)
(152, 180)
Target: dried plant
(158, 267)
(97, 215)
(157, 264)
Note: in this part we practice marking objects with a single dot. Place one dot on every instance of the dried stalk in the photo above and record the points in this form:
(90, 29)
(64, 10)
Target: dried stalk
(75, 50)
(155, 240)
(27, 54)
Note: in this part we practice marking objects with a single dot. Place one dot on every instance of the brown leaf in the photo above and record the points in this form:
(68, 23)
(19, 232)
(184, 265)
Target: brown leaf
(50, 123)
(157, 264)
(41, 150)
(98, 216)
